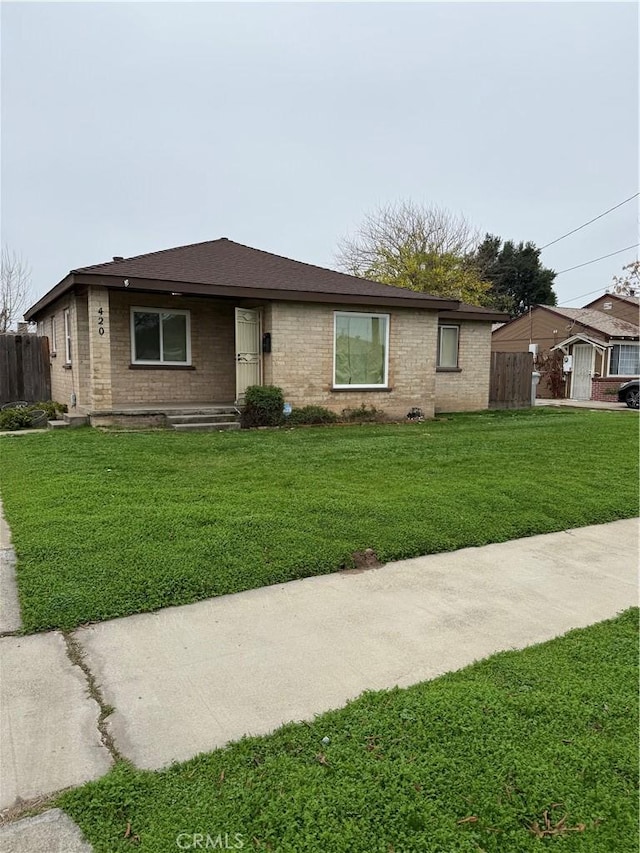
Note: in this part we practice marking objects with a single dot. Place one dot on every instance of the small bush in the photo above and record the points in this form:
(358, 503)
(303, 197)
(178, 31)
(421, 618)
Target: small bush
(362, 415)
(311, 415)
(51, 408)
(13, 419)
(263, 405)
(35, 415)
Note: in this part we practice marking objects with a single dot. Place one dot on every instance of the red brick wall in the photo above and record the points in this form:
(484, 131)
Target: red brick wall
(606, 389)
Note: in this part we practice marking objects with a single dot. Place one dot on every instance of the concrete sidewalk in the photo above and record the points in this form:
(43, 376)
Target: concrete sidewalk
(189, 679)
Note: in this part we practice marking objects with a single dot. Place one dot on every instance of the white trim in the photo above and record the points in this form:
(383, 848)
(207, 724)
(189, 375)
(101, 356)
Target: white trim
(387, 318)
(144, 309)
(53, 333)
(438, 362)
(67, 336)
(620, 344)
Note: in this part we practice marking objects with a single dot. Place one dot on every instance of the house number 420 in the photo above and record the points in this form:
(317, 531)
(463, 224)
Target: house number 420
(100, 321)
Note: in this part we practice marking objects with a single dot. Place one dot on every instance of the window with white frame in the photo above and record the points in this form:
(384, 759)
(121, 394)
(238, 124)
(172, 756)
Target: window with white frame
(160, 336)
(53, 333)
(448, 338)
(67, 336)
(625, 360)
(361, 350)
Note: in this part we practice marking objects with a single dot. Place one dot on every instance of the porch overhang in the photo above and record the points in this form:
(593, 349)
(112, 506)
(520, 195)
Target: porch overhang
(600, 345)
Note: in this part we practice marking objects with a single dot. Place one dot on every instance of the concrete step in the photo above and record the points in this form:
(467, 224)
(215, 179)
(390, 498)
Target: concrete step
(75, 420)
(201, 410)
(196, 418)
(58, 425)
(206, 426)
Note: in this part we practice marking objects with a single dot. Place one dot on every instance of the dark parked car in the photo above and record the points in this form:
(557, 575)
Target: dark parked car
(628, 393)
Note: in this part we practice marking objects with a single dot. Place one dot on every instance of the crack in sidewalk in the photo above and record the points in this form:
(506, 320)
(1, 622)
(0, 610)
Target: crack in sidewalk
(77, 656)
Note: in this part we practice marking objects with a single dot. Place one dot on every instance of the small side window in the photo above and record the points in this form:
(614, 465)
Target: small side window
(67, 336)
(53, 335)
(448, 346)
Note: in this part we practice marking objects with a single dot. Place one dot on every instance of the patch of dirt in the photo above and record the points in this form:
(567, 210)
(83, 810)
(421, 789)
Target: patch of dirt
(362, 561)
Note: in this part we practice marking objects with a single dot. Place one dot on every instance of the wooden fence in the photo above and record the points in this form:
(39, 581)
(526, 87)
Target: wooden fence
(510, 383)
(25, 373)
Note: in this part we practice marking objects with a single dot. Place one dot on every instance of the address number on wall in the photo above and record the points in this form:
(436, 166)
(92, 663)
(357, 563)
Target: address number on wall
(100, 321)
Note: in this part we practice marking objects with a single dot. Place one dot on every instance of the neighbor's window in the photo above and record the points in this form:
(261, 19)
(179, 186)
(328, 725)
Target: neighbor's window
(361, 350)
(448, 346)
(625, 360)
(67, 336)
(160, 337)
(53, 334)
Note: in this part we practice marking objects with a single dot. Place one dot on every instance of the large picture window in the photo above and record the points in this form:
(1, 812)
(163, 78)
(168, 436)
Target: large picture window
(448, 346)
(625, 360)
(160, 337)
(361, 350)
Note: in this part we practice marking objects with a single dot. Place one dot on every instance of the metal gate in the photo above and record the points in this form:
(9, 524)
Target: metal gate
(248, 351)
(581, 372)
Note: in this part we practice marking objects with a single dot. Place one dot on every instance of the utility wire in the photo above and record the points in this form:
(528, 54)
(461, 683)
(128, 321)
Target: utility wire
(601, 258)
(590, 293)
(580, 227)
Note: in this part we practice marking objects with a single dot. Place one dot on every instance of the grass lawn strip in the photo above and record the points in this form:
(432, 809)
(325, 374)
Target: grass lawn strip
(107, 524)
(524, 751)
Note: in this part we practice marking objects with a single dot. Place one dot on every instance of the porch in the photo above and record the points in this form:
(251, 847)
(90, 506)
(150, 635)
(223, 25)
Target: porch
(180, 416)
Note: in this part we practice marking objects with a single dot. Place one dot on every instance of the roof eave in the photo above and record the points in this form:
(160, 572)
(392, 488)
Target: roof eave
(192, 289)
(55, 293)
(480, 316)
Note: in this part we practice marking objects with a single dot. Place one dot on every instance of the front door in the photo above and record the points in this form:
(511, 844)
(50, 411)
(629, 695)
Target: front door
(248, 351)
(581, 372)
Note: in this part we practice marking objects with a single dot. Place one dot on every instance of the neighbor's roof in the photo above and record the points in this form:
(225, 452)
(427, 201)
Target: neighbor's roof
(633, 300)
(224, 268)
(597, 320)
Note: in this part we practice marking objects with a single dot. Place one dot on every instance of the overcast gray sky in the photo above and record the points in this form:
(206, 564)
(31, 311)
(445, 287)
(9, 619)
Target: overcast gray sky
(131, 127)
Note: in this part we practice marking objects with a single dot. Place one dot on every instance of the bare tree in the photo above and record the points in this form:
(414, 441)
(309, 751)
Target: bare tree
(393, 230)
(15, 288)
(627, 284)
(421, 248)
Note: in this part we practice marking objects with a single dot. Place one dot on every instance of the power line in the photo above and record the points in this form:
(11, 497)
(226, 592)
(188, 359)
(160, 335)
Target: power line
(580, 227)
(601, 258)
(590, 293)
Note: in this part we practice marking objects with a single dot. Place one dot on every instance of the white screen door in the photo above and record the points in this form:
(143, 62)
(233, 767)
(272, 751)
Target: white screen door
(248, 351)
(581, 373)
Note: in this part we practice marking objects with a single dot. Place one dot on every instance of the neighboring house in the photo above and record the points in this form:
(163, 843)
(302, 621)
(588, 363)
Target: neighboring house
(197, 324)
(602, 341)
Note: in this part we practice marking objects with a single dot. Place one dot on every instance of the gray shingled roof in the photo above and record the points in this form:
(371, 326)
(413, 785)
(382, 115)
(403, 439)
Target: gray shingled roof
(598, 320)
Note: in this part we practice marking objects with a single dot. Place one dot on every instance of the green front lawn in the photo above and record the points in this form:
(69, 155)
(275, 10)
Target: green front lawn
(112, 523)
(526, 751)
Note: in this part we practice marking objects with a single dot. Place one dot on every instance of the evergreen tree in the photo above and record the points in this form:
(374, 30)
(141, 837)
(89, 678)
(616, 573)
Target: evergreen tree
(518, 278)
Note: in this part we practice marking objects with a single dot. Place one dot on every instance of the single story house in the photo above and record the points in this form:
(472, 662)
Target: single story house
(600, 343)
(197, 324)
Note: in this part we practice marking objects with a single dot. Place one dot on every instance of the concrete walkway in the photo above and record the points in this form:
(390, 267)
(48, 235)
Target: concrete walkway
(612, 406)
(189, 679)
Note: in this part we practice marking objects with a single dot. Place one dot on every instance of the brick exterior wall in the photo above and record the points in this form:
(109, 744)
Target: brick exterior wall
(301, 360)
(606, 389)
(468, 389)
(212, 378)
(68, 379)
